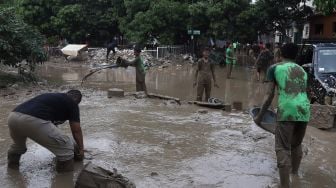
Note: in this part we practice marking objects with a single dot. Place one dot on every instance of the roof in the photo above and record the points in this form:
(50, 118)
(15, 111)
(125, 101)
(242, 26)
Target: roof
(73, 49)
(327, 45)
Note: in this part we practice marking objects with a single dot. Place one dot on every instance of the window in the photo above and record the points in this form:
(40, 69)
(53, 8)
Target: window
(326, 60)
(319, 29)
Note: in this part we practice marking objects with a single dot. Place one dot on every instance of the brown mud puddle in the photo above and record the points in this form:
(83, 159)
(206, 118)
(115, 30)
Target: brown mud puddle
(156, 143)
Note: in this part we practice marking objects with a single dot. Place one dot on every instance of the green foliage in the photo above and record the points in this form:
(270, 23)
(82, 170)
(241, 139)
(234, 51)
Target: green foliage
(281, 14)
(224, 17)
(19, 41)
(326, 6)
(39, 14)
(7, 79)
(163, 19)
(168, 20)
(74, 19)
(70, 14)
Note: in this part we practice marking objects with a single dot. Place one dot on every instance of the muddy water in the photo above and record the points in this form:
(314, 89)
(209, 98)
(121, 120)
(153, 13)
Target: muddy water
(184, 148)
(176, 81)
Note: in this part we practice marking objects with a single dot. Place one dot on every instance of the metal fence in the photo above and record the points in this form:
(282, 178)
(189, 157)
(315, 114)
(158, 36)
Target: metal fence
(158, 52)
(164, 51)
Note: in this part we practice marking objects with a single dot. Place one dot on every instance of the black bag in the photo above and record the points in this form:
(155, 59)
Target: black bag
(93, 176)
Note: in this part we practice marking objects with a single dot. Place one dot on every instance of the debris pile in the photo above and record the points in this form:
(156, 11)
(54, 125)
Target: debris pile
(98, 56)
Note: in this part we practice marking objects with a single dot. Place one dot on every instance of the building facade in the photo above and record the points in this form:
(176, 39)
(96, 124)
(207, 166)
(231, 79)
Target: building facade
(322, 27)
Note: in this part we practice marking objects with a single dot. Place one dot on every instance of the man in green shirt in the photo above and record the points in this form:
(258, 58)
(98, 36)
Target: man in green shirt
(230, 59)
(293, 111)
(139, 70)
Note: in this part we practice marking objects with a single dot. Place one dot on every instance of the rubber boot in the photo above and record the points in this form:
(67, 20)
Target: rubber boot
(296, 156)
(284, 177)
(13, 161)
(65, 166)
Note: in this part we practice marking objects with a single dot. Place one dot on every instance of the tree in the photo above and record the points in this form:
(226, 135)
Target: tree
(39, 14)
(282, 14)
(250, 23)
(70, 23)
(327, 7)
(74, 19)
(167, 20)
(19, 41)
(223, 16)
(164, 19)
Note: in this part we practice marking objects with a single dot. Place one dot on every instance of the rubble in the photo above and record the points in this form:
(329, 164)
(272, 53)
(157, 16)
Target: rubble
(98, 56)
(202, 111)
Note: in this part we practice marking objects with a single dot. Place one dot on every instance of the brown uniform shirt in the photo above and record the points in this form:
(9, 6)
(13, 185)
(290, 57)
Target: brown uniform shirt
(205, 70)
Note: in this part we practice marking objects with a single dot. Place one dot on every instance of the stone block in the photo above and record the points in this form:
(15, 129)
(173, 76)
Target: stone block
(115, 92)
(322, 116)
(227, 107)
(237, 105)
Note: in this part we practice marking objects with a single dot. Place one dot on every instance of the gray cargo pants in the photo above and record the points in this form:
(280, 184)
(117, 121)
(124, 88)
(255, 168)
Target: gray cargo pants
(45, 133)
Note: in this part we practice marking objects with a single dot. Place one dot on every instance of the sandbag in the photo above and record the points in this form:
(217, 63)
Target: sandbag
(93, 176)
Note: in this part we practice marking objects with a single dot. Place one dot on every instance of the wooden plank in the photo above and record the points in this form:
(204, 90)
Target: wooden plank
(164, 97)
(209, 105)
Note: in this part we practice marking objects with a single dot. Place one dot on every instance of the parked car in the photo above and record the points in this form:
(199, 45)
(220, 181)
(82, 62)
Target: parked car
(319, 61)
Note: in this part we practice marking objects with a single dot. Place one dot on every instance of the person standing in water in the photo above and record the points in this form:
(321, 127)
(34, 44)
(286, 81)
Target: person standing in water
(263, 61)
(230, 59)
(205, 71)
(37, 119)
(139, 69)
(111, 47)
(293, 113)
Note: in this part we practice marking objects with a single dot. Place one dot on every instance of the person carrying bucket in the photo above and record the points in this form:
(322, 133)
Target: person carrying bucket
(293, 111)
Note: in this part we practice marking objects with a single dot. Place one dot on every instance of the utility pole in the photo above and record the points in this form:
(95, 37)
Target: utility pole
(192, 30)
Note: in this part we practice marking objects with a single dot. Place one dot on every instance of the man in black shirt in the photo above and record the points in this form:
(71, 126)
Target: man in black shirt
(111, 47)
(36, 119)
(263, 61)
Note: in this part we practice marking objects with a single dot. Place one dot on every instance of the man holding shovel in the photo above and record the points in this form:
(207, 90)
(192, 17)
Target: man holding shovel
(139, 69)
(293, 111)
